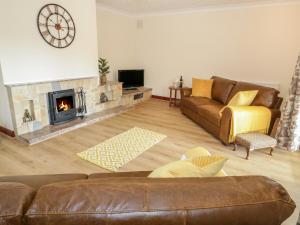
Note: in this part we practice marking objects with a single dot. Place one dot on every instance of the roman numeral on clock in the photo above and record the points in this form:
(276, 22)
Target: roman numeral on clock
(49, 10)
(52, 40)
(45, 33)
(43, 15)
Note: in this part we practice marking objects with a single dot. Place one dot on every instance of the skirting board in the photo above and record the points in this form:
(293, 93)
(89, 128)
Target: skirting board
(7, 131)
(161, 97)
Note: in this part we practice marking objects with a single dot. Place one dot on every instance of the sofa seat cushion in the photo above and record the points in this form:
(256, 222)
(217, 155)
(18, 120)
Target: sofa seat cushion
(265, 97)
(194, 102)
(211, 113)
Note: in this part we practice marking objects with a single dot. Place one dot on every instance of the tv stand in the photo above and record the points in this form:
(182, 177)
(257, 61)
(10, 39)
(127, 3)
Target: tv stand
(130, 89)
(134, 96)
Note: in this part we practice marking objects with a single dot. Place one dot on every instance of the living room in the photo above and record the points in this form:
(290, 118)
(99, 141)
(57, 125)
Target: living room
(86, 108)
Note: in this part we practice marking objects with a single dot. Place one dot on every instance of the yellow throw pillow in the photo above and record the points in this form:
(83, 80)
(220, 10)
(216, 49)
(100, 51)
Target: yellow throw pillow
(205, 166)
(209, 166)
(195, 152)
(202, 88)
(176, 169)
(242, 98)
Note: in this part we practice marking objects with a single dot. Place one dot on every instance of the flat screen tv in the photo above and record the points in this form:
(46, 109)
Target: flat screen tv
(131, 78)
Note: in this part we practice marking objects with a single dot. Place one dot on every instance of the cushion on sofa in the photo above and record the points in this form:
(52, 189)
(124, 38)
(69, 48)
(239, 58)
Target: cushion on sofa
(211, 113)
(266, 96)
(201, 166)
(202, 88)
(194, 102)
(221, 89)
(198, 152)
(15, 198)
(243, 98)
(181, 168)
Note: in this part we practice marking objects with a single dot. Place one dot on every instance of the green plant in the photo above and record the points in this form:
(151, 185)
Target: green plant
(103, 66)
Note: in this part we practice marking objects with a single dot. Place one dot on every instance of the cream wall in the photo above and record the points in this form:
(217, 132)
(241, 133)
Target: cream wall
(26, 57)
(258, 44)
(116, 40)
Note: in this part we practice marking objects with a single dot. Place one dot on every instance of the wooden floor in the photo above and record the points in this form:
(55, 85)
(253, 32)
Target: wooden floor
(58, 154)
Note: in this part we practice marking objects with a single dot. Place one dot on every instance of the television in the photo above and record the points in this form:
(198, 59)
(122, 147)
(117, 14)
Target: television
(131, 79)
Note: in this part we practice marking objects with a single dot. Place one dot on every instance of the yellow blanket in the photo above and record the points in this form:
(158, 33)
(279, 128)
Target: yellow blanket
(247, 119)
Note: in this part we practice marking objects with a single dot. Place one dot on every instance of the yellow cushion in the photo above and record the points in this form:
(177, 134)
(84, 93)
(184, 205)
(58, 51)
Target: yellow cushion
(202, 88)
(209, 165)
(205, 166)
(176, 169)
(242, 98)
(195, 152)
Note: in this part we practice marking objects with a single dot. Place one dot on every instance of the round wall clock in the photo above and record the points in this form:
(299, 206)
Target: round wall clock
(56, 26)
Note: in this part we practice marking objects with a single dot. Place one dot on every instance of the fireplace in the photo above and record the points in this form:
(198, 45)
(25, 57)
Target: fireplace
(62, 107)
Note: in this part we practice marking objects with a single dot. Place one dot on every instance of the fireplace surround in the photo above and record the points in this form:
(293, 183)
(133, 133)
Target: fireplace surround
(34, 98)
(62, 106)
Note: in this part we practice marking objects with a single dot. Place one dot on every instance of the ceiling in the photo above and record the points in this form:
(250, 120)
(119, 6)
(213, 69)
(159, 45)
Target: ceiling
(158, 6)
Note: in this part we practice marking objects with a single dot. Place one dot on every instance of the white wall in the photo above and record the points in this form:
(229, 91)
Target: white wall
(26, 57)
(116, 40)
(256, 44)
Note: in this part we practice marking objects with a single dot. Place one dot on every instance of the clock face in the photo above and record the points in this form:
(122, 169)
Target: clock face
(56, 26)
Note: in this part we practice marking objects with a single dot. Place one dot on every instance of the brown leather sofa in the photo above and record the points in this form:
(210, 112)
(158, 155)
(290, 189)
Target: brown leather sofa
(205, 112)
(133, 199)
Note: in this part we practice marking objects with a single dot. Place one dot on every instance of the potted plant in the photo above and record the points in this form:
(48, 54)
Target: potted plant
(103, 70)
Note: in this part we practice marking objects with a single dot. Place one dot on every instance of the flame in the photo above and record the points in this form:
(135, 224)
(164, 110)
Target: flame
(64, 107)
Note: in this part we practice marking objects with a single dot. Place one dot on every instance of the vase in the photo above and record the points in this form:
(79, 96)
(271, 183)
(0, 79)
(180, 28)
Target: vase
(103, 79)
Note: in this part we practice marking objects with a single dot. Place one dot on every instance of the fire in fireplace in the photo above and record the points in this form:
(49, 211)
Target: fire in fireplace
(62, 106)
(64, 103)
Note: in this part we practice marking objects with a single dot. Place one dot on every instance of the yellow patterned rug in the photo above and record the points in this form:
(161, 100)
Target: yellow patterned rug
(115, 152)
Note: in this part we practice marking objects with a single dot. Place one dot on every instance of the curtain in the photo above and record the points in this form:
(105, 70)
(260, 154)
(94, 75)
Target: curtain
(288, 133)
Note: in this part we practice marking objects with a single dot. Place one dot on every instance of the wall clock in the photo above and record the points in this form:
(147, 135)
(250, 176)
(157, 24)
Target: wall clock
(56, 26)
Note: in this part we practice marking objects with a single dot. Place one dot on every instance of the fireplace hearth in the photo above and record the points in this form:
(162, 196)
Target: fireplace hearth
(62, 107)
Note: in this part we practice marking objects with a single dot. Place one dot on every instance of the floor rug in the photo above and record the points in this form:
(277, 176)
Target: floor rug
(115, 152)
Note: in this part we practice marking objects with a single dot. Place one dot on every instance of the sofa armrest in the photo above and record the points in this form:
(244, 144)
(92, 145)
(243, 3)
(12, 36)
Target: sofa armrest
(276, 114)
(226, 123)
(185, 92)
(278, 103)
(225, 126)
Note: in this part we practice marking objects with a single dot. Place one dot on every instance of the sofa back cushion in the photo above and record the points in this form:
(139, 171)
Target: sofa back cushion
(265, 97)
(15, 199)
(221, 89)
(162, 201)
(36, 181)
